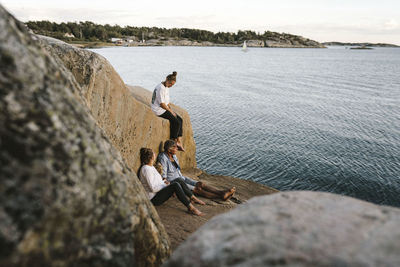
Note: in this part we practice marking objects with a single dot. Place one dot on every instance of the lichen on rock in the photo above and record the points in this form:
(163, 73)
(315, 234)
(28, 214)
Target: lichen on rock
(67, 196)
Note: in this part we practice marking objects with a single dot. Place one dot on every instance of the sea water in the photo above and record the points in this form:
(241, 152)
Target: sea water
(293, 119)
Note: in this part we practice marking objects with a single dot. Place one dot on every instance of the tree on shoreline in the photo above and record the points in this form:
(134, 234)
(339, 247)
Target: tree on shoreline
(89, 31)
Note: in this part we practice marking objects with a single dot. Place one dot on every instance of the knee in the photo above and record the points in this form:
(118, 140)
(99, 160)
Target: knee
(197, 190)
(179, 180)
(176, 184)
(199, 185)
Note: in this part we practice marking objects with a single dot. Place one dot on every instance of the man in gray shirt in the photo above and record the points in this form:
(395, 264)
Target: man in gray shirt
(171, 171)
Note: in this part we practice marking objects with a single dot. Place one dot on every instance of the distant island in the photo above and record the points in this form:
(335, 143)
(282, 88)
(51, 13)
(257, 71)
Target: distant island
(361, 47)
(359, 44)
(89, 34)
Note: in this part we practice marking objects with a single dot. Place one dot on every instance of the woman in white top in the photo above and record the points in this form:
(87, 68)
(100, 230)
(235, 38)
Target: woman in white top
(160, 190)
(161, 107)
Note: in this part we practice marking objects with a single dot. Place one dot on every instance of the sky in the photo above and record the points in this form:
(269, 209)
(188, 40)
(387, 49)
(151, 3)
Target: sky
(320, 20)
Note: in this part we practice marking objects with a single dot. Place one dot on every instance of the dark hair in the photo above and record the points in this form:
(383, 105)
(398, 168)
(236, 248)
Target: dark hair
(172, 77)
(146, 154)
(169, 143)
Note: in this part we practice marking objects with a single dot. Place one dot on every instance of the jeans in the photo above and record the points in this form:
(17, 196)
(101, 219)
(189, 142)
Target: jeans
(175, 124)
(177, 186)
(190, 182)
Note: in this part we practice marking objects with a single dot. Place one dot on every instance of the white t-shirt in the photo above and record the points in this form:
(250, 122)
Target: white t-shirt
(151, 180)
(160, 95)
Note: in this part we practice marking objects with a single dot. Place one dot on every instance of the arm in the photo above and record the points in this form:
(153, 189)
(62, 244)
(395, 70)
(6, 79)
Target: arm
(163, 92)
(164, 163)
(153, 180)
(167, 107)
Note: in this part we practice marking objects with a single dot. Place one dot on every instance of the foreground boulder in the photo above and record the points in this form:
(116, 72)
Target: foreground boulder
(66, 196)
(123, 112)
(296, 229)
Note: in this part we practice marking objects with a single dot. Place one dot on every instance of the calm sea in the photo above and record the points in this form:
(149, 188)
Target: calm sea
(308, 119)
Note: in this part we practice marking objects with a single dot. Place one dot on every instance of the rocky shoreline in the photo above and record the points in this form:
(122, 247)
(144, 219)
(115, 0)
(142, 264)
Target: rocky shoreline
(70, 136)
(282, 43)
(70, 139)
(84, 32)
(302, 43)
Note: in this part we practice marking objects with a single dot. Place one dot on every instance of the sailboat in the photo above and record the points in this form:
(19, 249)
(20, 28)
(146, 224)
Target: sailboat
(244, 48)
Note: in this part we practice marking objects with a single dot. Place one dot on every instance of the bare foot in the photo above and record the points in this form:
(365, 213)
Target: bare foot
(198, 201)
(228, 194)
(180, 147)
(194, 211)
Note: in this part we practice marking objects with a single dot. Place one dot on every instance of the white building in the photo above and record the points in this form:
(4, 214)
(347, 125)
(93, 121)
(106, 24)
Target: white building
(69, 35)
(116, 40)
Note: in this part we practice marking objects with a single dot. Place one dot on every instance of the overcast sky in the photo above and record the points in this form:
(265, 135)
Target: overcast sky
(333, 20)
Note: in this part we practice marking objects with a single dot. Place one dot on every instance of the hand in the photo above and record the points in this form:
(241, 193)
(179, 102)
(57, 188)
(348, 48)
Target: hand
(166, 182)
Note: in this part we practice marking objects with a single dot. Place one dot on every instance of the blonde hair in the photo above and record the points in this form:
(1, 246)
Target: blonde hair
(159, 168)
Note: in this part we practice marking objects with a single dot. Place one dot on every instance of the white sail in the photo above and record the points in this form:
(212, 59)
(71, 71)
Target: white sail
(244, 48)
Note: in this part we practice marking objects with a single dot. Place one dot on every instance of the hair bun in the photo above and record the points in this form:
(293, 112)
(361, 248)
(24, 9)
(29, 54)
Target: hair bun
(172, 76)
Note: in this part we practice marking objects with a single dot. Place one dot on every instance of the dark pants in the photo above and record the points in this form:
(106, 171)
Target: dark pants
(175, 124)
(177, 186)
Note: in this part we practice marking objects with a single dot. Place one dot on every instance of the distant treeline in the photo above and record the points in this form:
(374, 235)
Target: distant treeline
(89, 31)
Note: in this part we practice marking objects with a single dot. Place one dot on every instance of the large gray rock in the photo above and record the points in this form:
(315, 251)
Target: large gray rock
(296, 229)
(123, 112)
(66, 196)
